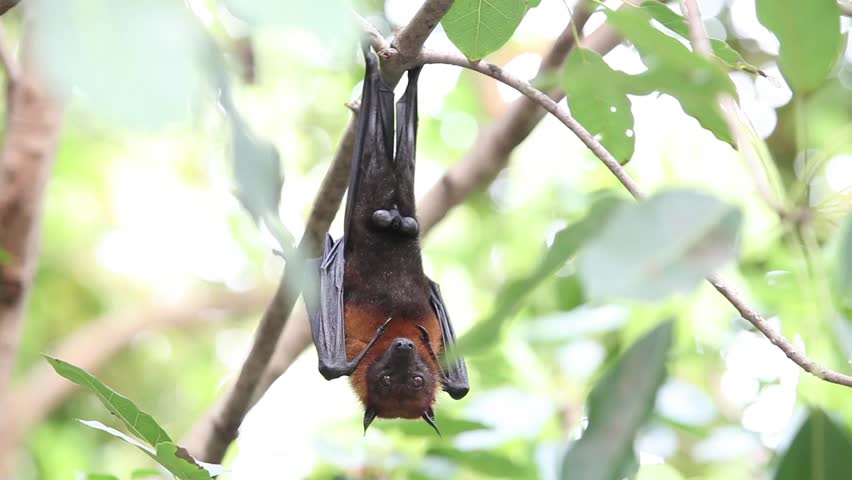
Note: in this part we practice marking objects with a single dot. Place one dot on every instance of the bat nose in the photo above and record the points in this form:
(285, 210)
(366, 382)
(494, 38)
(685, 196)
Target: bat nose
(403, 345)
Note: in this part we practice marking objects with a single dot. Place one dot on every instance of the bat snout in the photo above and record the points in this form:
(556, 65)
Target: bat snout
(403, 349)
(403, 345)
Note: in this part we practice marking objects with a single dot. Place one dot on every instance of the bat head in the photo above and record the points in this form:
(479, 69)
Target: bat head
(401, 383)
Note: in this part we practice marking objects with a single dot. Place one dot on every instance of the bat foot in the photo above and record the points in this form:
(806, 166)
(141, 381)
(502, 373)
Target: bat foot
(382, 219)
(409, 226)
(392, 220)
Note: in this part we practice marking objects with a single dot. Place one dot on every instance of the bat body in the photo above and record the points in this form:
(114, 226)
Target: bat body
(376, 316)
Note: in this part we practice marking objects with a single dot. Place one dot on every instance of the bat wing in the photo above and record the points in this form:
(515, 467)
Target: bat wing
(371, 187)
(324, 302)
(455, 370)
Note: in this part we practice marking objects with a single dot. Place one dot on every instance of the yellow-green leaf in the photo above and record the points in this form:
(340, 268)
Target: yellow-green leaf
(809, 33)
(140, 424)
(479, 27)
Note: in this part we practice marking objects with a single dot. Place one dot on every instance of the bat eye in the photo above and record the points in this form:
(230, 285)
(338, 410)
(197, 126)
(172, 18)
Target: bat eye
(386, 379)
(417, 381)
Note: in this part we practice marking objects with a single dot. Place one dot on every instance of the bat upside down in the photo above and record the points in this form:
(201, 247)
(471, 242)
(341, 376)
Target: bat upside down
(375, 315)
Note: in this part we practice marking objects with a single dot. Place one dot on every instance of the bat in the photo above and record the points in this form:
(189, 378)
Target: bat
(374, 315)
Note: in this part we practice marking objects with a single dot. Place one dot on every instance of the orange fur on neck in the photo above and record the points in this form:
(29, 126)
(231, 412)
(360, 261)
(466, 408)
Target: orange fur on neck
(361, 323)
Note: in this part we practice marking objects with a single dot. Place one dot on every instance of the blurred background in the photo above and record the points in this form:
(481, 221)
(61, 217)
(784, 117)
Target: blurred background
(141, 229)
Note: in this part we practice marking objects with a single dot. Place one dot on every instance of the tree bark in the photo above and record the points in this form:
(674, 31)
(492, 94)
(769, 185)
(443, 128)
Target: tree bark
(33, 122)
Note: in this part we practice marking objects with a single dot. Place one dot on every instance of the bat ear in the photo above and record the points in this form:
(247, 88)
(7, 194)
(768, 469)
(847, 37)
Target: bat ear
(429, 416)
(369, 416)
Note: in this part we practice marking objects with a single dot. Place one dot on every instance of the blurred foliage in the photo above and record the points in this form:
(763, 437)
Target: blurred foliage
(680, 236)
(141, 210)
(820, 449)
(618, 406)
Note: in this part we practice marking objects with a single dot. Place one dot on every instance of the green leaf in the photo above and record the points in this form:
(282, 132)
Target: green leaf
(486, 462)
(257, 166)
(669, 19)
(819, 451)
(5, 257)
(257, 171)
(479, 27)
(677, 24)
(178, 461)
(843, 267)
(139, 423)
(598, 100)
(100, 426)
(148, 473)
(96, 476)
(660, 246)
(673, 69)
(565, 244)
(618, 406)
(809, 33)
(175, 459)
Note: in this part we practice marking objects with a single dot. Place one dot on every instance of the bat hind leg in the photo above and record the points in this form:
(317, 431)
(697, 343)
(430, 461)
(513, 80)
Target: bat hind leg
(393, 221)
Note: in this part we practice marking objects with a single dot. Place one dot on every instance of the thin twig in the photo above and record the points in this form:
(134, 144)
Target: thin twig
(220, 429)
(737, 123)
(600, 151)
(701, 44)
(697, 35)
(793, 353)
(536, 95)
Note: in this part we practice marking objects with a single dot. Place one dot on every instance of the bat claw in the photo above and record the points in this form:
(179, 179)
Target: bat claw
(424, 334)
(383, 327)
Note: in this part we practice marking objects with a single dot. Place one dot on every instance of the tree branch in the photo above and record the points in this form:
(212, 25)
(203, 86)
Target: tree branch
(33, 121)
(846, 8)
(545, 101)
(495, 143)
(213, 439)
(6, 5)
(701, 44)
(92, 346)
(7, 59)
(624, 178)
